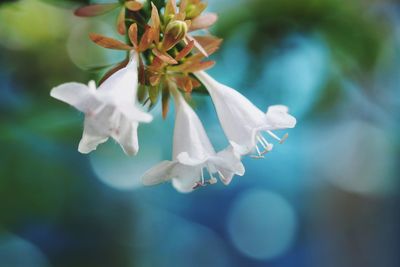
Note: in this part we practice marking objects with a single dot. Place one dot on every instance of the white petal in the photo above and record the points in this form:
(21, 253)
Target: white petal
(98, 126)
(121, 87)
(186, 178)
(189, 133)
(159, 173)
(91, 137)
(120, 91)
(105, 119)
(237, 115)
(185, 159)
(92, 86)
(135, 114)
(239, 149)
(183, 177)
(227, 162)
(240, 119)
(278, 108)
(227, 176)
(126, 136)
(110, 111)
(278, 117)
(79, 95)
(231, 161)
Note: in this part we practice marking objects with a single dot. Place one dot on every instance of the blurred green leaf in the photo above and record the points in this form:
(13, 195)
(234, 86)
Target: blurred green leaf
(354, 34)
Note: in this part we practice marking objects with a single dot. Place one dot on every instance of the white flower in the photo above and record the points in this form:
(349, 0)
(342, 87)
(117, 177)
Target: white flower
(193, 154)
(242, 122)
(110, 111)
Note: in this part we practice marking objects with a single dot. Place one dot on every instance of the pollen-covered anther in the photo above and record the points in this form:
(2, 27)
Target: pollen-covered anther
(213, 180)
(266, 147)
(259, 154)
(199, 184)
(283, 139)
(203, 182)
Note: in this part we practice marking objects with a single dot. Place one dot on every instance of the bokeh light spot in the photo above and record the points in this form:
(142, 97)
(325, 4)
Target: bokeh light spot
(17, 252)
(169, 240)
(296, 75)
(17, 34)
(261, 224)
(358, 157)
(119, 171)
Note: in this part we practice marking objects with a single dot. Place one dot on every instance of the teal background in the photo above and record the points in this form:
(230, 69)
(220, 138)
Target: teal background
(328, 196)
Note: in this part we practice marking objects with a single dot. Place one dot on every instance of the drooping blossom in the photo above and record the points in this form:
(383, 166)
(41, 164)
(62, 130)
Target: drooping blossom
(242, 122)
(110, 111)
(193, 156)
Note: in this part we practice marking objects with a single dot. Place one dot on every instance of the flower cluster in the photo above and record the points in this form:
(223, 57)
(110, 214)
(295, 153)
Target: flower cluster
(165, 60)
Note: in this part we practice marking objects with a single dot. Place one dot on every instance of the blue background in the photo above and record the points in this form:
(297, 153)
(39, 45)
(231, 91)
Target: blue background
(328, 196)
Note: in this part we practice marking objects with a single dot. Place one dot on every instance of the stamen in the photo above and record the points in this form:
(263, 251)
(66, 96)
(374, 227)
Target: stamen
(281, 140)
(258, 150)
(284, 138)
(203, 181)
(274, 135)
(212, 179)
(256, 157)
(259, 153)
(261, 142)
(221, 176)
(208, 169)
(197, 185)
(267, 146)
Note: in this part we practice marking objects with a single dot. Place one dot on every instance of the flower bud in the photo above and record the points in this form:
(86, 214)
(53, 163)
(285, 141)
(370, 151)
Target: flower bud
(174, 32)
(191, 11)
(194, 10)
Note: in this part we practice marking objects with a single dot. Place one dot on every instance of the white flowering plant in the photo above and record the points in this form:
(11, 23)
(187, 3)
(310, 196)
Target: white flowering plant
(166, 59)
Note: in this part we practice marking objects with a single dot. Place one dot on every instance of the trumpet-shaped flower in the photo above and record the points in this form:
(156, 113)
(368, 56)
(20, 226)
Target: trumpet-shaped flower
(110, 111)
(193, 155)
(243, 123)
